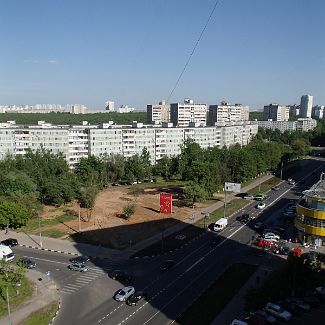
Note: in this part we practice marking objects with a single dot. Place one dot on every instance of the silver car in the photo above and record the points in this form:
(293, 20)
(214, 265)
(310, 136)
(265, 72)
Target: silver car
(78, 267)
(124, 294)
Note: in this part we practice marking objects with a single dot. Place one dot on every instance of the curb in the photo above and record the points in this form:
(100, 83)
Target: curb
(59, 306)
(62, 252)
(49, 250)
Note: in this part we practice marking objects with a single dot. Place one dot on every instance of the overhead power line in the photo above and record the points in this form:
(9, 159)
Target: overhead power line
(194, 48)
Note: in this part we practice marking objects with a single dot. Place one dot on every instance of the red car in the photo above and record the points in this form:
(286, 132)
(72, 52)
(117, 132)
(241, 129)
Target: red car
(296, 252)
(265, 243)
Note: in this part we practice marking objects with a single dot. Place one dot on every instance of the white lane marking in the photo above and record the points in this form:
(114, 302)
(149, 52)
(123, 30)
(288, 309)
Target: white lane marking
(197, 262)
(46, 260)
(67, 286)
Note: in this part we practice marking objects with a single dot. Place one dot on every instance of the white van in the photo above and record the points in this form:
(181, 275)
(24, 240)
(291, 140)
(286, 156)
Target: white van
(220, 224)
(6, 253)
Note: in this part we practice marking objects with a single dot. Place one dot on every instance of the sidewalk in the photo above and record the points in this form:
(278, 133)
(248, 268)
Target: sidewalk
(44, 294)
(69, 247)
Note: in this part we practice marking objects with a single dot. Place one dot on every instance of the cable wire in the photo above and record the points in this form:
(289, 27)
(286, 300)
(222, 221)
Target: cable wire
(194, 48)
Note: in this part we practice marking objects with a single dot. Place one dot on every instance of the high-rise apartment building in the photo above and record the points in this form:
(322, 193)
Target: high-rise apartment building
(276, 112)
(306, 105)
(109, 106)
(78, 141)
(158, 113)
(318, 112)
(228, 113)
(183, 114)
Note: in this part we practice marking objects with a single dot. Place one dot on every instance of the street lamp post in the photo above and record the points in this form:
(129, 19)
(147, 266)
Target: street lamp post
(281, 170)
(40, 231)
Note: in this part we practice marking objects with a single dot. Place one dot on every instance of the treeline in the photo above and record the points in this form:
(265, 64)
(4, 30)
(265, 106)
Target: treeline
(74, 119)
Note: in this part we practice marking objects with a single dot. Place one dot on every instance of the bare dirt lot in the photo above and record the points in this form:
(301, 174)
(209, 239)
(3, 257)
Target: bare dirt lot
(108, 228)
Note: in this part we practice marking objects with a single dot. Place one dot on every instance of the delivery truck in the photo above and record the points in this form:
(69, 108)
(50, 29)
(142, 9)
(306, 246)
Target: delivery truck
(220, 224)
(6, 253)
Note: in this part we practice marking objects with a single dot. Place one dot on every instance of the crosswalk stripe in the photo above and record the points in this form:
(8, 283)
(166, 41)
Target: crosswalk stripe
(73, 286)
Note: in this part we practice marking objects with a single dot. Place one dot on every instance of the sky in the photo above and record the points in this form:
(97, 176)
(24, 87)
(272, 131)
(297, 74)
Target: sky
(253, 52)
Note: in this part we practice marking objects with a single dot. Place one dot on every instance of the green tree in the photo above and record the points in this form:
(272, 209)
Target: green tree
(163, 167)
(87, 197)
(300, 147)
(115, 167)
(129, 210)
(146, 163)
(193, 193)
(13, 214)
(10, 278)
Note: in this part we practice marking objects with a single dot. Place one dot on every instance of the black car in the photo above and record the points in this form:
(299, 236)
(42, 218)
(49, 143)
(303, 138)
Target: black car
(244, 218)
(168, 264)
(79, 259)
(10, 242)
(135, 298)
(26, 263)
(121, 276)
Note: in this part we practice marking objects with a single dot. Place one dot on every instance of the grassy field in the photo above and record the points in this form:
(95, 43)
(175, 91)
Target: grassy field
(41, 317)
(25, 291)
(264, 187)
(214, 299)
(47, 226)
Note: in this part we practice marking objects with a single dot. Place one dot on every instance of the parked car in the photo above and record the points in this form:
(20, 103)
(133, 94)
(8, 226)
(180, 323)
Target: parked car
(320, 293)
(299, 303)
(291, 308)
(10, 242)
(135, 298)
(79, 259)
(285, 250)
(271, 236)
(277, 311)
(168, 264)
(124, 293)
(120, 275)
(310, 300)
(78, 267)
(265, 315)
(26, 262)
(275, 188)
(261, 205)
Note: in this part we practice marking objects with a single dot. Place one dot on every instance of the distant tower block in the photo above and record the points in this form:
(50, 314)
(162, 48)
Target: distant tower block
(109, 106)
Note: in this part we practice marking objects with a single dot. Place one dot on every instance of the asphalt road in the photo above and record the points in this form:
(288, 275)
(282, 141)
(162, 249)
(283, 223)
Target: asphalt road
(87, 297)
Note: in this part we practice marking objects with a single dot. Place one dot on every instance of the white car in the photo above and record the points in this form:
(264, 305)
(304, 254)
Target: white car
(261, 205)
(271, 236)
(124, 294)
(277, 311)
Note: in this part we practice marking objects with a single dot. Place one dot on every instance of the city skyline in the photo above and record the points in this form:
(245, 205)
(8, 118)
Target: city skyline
(86, 52)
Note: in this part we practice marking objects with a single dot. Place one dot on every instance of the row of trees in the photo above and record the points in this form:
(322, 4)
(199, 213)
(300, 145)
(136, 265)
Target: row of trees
(44, 178)
(73, 119)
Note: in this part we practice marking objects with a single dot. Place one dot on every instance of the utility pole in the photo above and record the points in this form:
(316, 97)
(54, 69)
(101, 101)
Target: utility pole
(281, 170)
(8, 305)
(40, 231)
(224, 211)
(79, 222)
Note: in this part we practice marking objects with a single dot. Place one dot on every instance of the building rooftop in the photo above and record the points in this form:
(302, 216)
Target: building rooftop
(318, 189)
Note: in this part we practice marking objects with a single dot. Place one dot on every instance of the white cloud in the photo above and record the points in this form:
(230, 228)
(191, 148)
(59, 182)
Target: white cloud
(51, 61)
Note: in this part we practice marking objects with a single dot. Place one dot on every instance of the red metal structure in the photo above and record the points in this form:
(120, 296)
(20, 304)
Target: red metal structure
(166, 203)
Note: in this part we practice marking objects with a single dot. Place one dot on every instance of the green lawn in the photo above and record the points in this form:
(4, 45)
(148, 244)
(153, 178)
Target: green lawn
(25, 291)
(265, 186)
(231, 207)
(33, 223)
(43, 316)
(208, 306)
